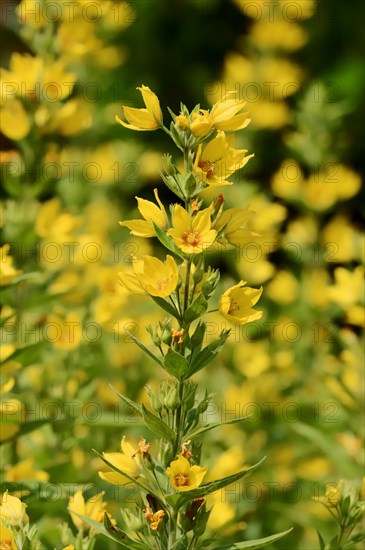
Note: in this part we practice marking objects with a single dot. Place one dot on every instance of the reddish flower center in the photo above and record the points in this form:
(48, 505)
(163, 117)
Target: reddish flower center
(207, 167)
(233, 307)
(191, 237)
(181, 480)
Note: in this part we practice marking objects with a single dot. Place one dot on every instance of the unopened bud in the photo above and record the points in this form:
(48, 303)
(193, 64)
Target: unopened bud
(172, 400)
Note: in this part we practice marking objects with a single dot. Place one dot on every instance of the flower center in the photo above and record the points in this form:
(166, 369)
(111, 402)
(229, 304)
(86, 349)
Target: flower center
(191, 237)
(233, 307)
(207, 167)
(5, 545)
(160, 285)
(181, 480)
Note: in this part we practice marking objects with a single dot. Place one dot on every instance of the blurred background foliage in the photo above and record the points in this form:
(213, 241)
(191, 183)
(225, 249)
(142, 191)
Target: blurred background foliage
(69, 174)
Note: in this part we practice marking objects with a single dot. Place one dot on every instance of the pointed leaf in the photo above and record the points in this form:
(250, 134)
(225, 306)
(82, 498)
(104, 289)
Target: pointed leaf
(175, 364)
(322, 544)
(26, 354)
(207, 354)
(167, 241)
(198, 307)
(200, 431)
(179, 499)
(99, 527)
(128, 401)
(258, 543)
(157, 425)
(143, 347)
(164, 304)
(122, 537)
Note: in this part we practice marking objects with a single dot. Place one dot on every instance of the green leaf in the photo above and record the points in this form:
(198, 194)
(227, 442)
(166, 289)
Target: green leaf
(164, 304)
(122, 537)
(322, 544)
(26, 353)
(200, 431)
(196, 309)
(175, 364)
(128, 401)
(199, 333)
(157, 425)
(21, 278)
(179, 499)
(258, 543)
(167, 241)
(143, 347)
(99, 527)
(207, 354)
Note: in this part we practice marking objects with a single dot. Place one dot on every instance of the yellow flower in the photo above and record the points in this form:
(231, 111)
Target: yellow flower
(13, 110)
(219, 160)
(25, 470)
(124, 462)
(236, 303)
(7, 541)
(149, 118)
(333, 495)
(202, 123)
(192, 234)
(12, 510)
(94, 508)
(7, 272)
(227, 116)
(156, 277)
(184, 477)
(233, 223)
(349, 286)
(151, 213)
(64, 329)
(182, 122)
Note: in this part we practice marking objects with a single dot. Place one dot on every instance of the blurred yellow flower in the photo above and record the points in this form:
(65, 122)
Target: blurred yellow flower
(348, 288)
(281, 34)
(126, 461)
(7, 272)
(192, 234)
(94, 508)
(227, 116)
(156, 277)
(283, 288)
(25, 470)
(7, 541)
(219, 160)
(183, 476)
(12, 510)
(151, 213)
(12, 110)
(149, 118)
(64, 329)
(237, 302)
(287, 181)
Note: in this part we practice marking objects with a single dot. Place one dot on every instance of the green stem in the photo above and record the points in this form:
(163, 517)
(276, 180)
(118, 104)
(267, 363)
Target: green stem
(187, 282)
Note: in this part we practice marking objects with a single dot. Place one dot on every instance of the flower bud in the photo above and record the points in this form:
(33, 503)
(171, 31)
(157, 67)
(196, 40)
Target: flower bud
(131, 521)
(210, 282)
(166, 333)
(168, 165)
(172, 400)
